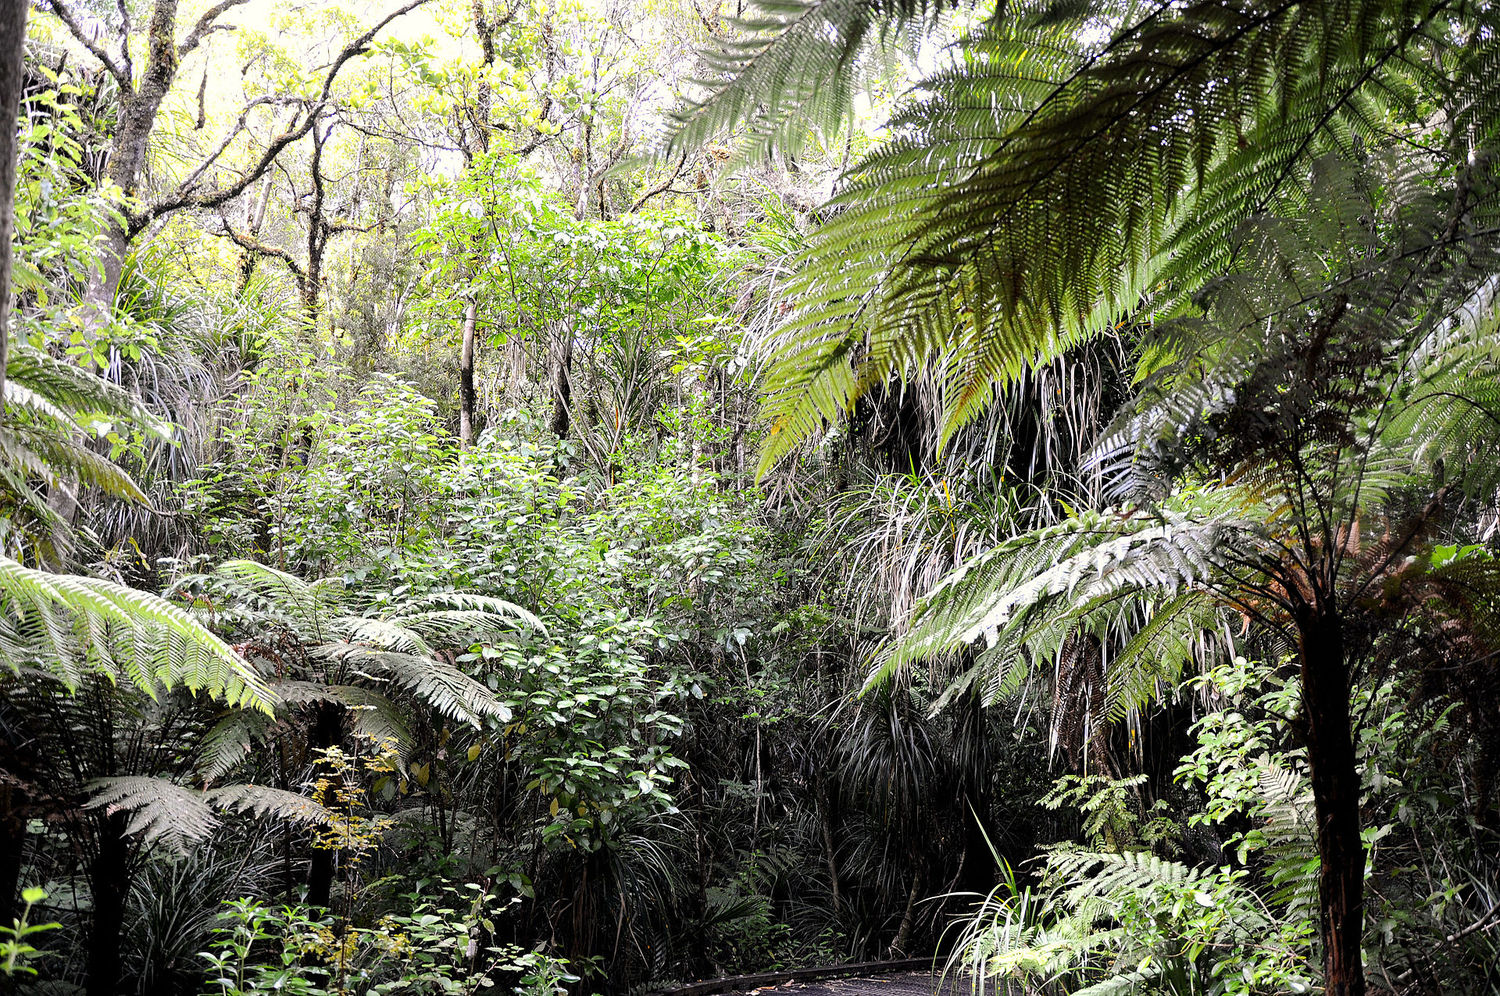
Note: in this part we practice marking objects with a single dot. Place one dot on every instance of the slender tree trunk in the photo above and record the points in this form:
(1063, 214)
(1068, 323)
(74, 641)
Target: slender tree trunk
(12, 848)
(1335, 783)
(562, 382)
(902, 939)
(327, 731)
(12, 56)
(109, 879)
(828, 817)
(467, 398)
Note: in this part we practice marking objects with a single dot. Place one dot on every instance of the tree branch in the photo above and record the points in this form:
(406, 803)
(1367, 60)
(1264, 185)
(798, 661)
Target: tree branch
(662, 187)
(183, 196)
(206, 25)
(69, 17)
(251, 244)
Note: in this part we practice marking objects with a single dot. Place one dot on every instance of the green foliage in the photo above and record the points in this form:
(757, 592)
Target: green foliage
(786, 67)
(73, 626)
(1157, 129)
(442, 946)
(16, 950)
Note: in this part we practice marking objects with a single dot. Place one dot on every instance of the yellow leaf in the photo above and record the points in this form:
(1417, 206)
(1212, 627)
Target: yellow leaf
(474, 753)
(554, 807)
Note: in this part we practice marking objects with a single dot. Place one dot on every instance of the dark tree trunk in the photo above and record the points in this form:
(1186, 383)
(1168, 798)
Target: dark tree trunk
(12, 848)
(1335, 783)
(12, 55)
(468, 398)
(977, 871)
(828, 817)
(109, 879)
(327, 731)
(562, 383)
(127, 152)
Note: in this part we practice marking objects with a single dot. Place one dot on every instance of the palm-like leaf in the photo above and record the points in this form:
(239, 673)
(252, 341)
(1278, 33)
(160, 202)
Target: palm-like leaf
(1041, 186)
(71, 626)
(791, 64)
(407, 646)
(161, 811)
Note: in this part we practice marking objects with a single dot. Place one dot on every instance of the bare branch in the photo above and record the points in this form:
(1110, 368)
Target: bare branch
(206, 25)
(662, 187)
(240, 125)
(69, 17)
(337, 227)
(184, 197)
(357, 47)
(251, 244)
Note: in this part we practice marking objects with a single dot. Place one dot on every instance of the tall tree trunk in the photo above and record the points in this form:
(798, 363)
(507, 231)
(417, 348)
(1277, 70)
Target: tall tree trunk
(467, 397)
(127, 152)
(12, 56)
(562, 381)
(327, 731)
(1335, 784)
(109, 879)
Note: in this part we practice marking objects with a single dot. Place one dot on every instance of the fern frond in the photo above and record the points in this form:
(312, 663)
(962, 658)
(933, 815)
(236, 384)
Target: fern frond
(72, 625)
(71, 389)
(789, 65)
(229, 741)
(309, 605)
(434, 681)
(1039, 190)
(160, 811)
(265, 802)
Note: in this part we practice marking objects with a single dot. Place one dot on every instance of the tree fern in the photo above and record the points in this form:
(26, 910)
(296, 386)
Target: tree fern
(70, 626)
(175, 816)
(360, 660)
(788, 65)
(1040, 189)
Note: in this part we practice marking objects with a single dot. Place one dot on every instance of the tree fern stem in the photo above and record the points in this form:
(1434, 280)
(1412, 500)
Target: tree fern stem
(109, 879)
(1336, 787)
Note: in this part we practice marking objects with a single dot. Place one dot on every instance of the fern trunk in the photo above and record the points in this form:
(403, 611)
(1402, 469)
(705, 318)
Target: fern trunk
(1335, 783)
(12, 848)
(109, 880)
(327, 731)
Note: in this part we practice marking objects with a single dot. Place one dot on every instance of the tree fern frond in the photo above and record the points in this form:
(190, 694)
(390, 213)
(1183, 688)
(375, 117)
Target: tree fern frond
(264, 802)
(50, 455)
(68, 387)
(789, 65)
(1040, 189)
(308, 604)
(441, 685)
(160, 811)
(77, 624)
(230, 741)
